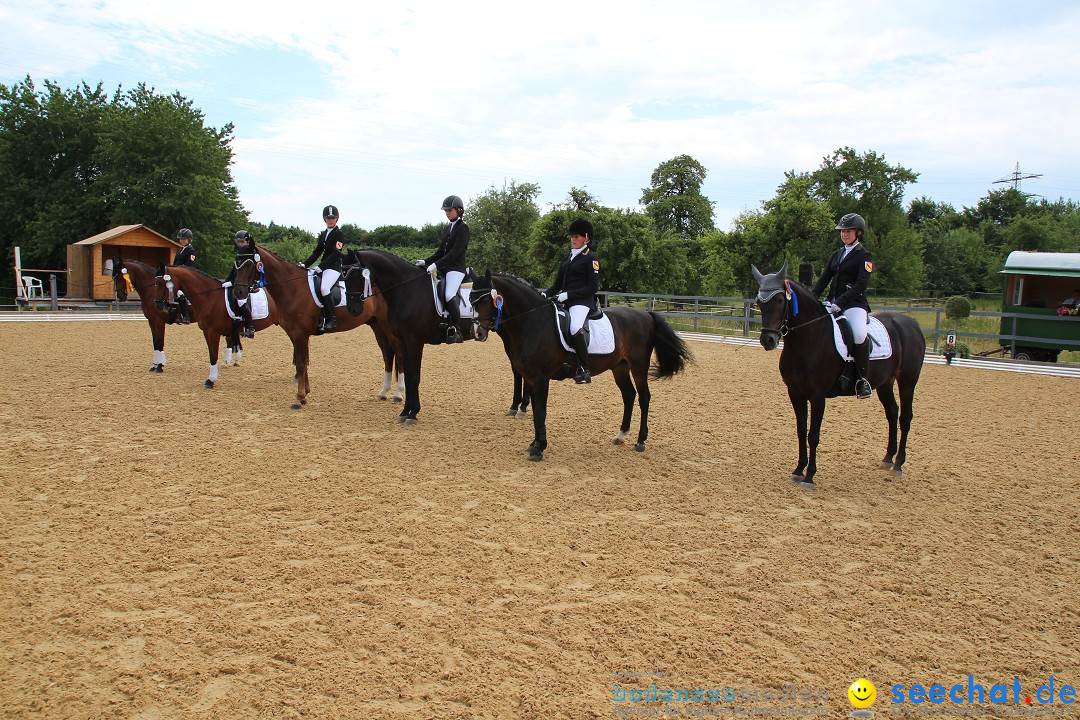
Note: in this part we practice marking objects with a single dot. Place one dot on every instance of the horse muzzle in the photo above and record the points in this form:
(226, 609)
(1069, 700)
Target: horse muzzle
(480, 332)
(769, 339)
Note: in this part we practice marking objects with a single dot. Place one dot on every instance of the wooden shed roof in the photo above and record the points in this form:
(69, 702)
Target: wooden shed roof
(121, 230)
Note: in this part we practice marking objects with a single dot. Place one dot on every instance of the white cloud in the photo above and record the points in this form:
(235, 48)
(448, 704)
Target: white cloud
(406, 105)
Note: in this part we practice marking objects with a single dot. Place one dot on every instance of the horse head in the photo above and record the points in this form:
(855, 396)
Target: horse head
(357, 279)
(247, 271)
(774, 302)
(165, 287)
(487, 304)
(121, 281)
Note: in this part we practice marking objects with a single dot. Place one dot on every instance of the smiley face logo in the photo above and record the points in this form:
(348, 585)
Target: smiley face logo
(862, 693)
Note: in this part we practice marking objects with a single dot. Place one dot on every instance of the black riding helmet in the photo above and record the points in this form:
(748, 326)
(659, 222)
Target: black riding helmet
(240, 236)
(330, 211)
(453, 201)
(185, 233)
(581, 226)
(852, 221)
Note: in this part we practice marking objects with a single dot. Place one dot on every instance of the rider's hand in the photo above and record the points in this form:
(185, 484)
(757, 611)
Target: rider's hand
(419, 263)
(561, 297)
(832, 308)
(543, 293)
(431, 268)
(302, 265)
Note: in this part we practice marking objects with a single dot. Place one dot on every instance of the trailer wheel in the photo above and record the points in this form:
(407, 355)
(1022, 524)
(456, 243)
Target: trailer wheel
(1022, 354)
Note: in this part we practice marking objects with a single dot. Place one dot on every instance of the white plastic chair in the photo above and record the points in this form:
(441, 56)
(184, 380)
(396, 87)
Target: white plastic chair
(34, 288)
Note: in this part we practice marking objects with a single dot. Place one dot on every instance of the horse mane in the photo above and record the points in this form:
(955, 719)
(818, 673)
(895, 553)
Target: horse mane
(195, 270)
(520, 281)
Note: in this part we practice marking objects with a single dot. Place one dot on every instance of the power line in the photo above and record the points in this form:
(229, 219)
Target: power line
(1015, 179)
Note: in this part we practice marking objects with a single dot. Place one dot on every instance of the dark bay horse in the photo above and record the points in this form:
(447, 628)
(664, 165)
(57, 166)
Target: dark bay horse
(527, 327)
(299, 316)
(207, 298)
(811, 366)
(410, 318)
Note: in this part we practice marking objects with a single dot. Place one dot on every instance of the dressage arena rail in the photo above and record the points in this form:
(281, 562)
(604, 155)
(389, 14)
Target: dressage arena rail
(741, 341)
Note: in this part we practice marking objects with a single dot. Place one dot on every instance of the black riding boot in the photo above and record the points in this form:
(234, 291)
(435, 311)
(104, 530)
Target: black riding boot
(861, 354)
(453, 333)
(328, 321)
(582, 350)
(249, 325)
(182, 317)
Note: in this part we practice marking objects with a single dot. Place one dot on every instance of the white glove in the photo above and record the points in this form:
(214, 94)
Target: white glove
(832, 308)
(561, 297)
(543, 293)
(432, 269)
(302, 265)
(419, 263)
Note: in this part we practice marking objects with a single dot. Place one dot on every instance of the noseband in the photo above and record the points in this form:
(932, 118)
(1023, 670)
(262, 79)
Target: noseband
(245, 259)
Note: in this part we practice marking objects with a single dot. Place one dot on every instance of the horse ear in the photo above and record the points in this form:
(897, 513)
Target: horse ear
(161, 268)
(783, 269)
(757, 274)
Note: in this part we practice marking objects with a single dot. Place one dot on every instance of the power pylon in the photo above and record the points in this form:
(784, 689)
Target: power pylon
(1016, 177)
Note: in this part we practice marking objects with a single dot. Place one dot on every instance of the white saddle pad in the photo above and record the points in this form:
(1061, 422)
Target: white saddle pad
(260, 307)
(601, 334)
(880, 344)
(463, 296)
(311, 287)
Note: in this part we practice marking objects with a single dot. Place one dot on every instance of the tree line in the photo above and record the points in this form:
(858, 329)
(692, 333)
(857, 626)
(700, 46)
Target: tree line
(76, 162)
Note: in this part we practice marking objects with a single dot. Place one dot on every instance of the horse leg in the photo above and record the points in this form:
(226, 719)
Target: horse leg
(907, 395)
(157, 334)
(641, 379)
(387, 357)
(621, 373)
(539, 392)
(236, 349)
(798, 404)
(892, 411)
(213, 343)
(412, 361)
(300, 359)
(817, 412)
(515, 404)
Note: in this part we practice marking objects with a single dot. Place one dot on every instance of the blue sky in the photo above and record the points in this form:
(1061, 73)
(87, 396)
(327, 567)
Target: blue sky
(386, 110)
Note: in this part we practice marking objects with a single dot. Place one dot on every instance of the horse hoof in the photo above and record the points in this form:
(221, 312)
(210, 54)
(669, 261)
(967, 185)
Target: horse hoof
(159, 368)
(410, 421)
(886, 465)
(536, 457)
(797, 479)
(807, 486)
(523, 413)
(640, 447)
(382, 397)
(898, 473)
(209, 384)
(295, 406)
(511, 412)
(617, 440)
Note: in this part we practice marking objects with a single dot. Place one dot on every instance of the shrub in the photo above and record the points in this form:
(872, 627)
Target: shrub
(957, 307)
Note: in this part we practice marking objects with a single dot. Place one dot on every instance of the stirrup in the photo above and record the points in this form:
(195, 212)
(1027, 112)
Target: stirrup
(453, 335)
(863, 389)
(583, 377)
(248, 332)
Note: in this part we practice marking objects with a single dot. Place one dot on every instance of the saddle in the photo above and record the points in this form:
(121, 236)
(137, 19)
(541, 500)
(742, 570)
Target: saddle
(337, 295)
(564, 323)
(438, 291)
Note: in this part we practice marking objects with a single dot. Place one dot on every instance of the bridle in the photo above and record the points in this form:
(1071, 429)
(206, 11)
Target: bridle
(766, 295)
(243, 260)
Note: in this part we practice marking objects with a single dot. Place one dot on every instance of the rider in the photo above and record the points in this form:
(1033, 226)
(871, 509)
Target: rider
(330, 247)
(185, 257)
(449, 260)
(576, 285)
(849, 270)
(245, 248)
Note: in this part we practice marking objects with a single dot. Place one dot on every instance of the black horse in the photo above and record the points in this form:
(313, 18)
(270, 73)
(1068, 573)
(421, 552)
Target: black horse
(410, 320)
(811, 366)
(519, 406)
(524, 320)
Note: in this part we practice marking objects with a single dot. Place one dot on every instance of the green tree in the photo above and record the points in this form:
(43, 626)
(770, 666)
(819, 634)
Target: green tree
(75, 163)
(499, 223)
(674, 199)
(393, 236)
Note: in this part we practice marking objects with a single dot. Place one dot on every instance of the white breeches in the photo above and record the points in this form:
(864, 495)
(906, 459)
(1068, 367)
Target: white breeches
(857, 319)
(453, 283)
(329, 280)
(578, 315)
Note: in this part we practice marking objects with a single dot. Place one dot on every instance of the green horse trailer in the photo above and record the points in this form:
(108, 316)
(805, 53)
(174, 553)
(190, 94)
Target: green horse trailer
(1039, 315)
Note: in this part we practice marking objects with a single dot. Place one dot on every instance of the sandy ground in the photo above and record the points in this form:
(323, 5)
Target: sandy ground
(172, 552)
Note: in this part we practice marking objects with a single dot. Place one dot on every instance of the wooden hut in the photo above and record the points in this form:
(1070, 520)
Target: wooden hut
(90, 260)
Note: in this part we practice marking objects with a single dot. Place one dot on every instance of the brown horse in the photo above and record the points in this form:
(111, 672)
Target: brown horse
(133, 276)
(207, 298)
(811, 366)
(299, 316)
(524, 319)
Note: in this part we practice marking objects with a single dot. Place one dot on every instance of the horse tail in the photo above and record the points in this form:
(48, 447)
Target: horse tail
(671, 352)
